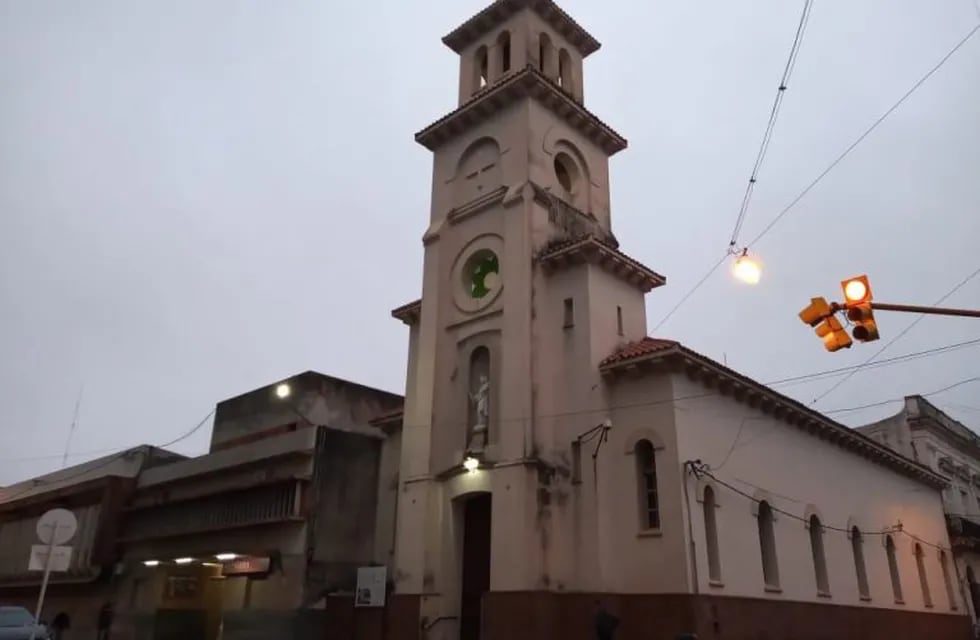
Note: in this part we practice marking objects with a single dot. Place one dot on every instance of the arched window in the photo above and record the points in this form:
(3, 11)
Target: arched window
(920, 565)
(819, 558)
(646, 474)
(565, 71)
(503, 50)
(482, 69)
(893, 570)
(546, 51)
(857, 549)
(767, 542)
(947, 581)
(711, 535)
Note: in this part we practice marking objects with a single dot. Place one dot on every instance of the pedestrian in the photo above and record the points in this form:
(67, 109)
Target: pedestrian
(605, 623)
(105, 622)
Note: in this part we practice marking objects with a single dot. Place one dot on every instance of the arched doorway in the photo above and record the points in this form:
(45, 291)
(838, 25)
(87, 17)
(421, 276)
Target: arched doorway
(476, 564)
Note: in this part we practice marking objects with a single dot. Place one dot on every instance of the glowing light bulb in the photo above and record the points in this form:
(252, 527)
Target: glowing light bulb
(855, 290)
(747, 269)
(471, 464)
(283, 391)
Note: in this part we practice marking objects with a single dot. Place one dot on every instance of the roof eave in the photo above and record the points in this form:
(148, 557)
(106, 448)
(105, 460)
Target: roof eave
(491, 17)
(855, 441)
(526, 83)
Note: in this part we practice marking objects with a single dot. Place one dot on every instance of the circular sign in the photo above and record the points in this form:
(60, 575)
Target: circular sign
(57, 526)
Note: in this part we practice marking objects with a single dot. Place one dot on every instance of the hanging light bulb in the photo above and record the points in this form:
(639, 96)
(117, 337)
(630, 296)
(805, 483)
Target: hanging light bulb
(747, 269)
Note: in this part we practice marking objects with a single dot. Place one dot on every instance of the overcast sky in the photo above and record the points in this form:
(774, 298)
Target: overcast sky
(199, 198)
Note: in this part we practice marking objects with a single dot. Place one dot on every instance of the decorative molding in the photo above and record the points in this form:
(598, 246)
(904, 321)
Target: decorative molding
(643, 433)
(638, 358)
(493, 16)
(473, 207)
(527, 83)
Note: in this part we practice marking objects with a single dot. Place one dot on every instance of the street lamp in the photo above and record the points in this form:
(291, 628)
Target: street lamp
(283, 390)
(471, 464)
(747, 269)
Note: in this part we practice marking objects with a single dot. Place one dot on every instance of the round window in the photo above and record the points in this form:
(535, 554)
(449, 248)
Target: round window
(566, 171)
(481, 274)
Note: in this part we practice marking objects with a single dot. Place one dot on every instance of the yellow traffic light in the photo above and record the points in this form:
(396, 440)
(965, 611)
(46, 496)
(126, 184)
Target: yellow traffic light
(857, 290)
(833, 335)
(816, 311)
(865, 327)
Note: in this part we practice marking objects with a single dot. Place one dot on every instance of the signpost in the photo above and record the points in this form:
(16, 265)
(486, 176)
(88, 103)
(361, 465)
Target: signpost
(54, 529)
(371, 586)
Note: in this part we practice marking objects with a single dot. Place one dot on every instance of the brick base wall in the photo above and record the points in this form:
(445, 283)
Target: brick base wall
(542, 615)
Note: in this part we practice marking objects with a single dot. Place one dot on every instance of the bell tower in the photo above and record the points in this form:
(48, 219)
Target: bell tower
(524, 293)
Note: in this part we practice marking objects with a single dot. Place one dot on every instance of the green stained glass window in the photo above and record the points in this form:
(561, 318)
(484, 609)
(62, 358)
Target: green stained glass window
(483, 274)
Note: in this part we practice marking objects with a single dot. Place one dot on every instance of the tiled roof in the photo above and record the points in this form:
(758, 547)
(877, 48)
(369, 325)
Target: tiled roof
(486, 20)
(637, 349)
(408, 313)
(726, 381)
(527, 82)
(588, 248)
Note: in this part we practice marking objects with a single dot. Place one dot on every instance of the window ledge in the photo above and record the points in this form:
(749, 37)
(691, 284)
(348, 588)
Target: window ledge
(770, 589)
(902, 602)
(929, 605)
(649, 533)
(824, 594)
(865, 598)
(716, 583)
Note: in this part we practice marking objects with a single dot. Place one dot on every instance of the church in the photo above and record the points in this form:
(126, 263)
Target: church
(556, 461)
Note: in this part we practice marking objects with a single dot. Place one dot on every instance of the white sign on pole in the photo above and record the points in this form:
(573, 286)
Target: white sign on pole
(370, 587)
(57, 526)
(60, 558)
(54, 528)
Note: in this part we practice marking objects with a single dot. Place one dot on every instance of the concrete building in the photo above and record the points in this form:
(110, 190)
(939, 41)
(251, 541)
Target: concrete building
(96, 492)
(922, 432)
(554, 455)
(248, 541)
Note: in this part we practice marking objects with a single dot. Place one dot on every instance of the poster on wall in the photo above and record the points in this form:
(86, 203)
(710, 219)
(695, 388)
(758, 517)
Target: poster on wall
(371, 587)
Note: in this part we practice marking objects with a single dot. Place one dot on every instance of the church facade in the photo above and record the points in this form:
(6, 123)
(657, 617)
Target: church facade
(555, 459)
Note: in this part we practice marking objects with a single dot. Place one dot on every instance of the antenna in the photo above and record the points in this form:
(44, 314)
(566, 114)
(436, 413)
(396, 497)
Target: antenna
(74, 424)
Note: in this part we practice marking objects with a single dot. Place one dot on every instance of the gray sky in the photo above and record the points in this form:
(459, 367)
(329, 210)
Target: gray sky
(197, 197)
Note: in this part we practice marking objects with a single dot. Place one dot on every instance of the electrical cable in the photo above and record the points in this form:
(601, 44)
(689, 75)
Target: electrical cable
(924, 395)
(698, 469)
(829, 168)
(771, 125)
(87, 470)
(897, 337)
(864, 135)
(691, 292)
(908, 357)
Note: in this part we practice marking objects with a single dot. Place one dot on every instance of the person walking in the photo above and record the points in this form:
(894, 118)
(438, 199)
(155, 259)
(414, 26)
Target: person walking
(105, 622)
(605, 623)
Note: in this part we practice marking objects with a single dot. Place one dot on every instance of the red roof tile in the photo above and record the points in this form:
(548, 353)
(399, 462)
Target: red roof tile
(638, 349)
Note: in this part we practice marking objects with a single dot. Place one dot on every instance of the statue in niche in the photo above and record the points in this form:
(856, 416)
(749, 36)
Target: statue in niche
(479, 398)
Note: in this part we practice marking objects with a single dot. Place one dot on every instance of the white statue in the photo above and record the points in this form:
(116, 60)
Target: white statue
(482, 401)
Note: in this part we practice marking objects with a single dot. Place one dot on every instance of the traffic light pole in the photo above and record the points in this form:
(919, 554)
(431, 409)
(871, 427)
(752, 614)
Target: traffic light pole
(911, 308)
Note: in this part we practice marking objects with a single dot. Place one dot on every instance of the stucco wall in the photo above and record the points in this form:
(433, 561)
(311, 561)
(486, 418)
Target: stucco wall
(802, 474)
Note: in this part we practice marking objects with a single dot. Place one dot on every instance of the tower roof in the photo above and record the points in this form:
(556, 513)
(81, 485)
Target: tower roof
(500, 10)
(528, 82)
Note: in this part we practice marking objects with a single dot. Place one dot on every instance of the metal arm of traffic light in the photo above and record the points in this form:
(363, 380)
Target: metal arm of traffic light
(910, 308)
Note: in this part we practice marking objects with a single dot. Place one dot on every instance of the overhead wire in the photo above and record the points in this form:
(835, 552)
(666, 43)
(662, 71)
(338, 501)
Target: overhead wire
(797, 379)
(823, 174)
(697, 468)
(771, 124)
(897, 337)
(924, 395)
(39, 482)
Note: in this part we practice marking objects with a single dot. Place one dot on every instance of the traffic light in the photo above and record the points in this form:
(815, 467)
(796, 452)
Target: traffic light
(833, 335)
(820, 314)
(857, 291)
(816, 311)
(865, 327)
(857, 299)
